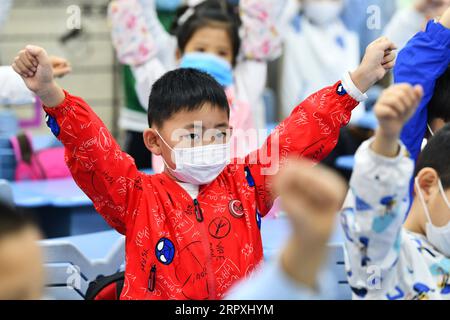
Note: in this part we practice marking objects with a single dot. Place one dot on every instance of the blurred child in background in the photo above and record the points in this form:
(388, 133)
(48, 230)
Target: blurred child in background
(21, 271)
(318, 47)
(133, 115)
(425, 60)
(388, 257)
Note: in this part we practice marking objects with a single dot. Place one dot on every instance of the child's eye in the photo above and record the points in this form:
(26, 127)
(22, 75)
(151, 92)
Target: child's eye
(200, 50)
(222, 53)
(221, 136)
(193, 136)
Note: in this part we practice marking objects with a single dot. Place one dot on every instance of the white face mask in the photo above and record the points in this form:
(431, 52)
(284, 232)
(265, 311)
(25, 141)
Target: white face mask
(198, 165)
(323, 12)
(439, 237)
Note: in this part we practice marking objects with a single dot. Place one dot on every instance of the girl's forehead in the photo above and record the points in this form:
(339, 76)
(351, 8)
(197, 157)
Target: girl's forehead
(211, 35)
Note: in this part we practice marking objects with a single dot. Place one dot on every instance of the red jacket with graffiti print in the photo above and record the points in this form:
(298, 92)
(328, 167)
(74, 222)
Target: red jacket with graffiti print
(183, 248)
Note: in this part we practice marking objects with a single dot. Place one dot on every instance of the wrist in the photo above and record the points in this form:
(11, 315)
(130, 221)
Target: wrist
(386, 144)
(302, 263)
(51, 95)
(362, 80)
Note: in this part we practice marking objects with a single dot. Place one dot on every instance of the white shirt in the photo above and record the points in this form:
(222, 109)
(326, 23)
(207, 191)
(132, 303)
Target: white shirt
(191, 189)
(314, 57)
(12, 88)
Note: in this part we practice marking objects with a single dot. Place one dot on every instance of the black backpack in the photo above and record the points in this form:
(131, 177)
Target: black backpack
(106, 288)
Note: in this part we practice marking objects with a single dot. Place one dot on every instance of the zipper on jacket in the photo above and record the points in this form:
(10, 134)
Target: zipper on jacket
(205, 241)
(152, 279)
(198, 211)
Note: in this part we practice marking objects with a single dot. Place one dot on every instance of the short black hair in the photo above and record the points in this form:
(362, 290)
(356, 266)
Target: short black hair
(210, 13)
(12, 220)
(184, 89)
(436, 155)
(439, 106)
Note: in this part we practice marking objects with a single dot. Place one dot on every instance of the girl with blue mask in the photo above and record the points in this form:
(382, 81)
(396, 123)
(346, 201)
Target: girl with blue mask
(230, 43)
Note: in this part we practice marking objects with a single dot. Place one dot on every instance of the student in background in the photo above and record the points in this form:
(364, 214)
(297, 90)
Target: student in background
(368, 18)
(21, 271)
(388, 257)
(318, 47)
(425, 60)
(412, 19)
(133, 116)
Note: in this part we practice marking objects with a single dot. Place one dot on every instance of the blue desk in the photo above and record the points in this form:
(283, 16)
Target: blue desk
(346, 162)
(57, 193)
(59, 205)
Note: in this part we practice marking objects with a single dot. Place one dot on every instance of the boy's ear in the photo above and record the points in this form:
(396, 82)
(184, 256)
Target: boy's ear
(428, 181)
(151, 141)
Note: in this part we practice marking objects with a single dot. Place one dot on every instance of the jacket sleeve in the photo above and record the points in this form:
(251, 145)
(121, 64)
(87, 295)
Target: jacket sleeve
(424, 59)
(311, 131)
(261, 39)
(372, 218)
(101, 169)
(131, 38)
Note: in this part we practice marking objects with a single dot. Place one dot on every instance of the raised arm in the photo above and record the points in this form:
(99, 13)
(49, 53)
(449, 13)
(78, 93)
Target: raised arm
(261, 39)
(141, 42)
(107, 175)
(378, 200)
(424, 59)
(312, 129)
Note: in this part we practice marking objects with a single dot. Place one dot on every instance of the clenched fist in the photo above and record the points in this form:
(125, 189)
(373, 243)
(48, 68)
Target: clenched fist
(378, 60)
(37, 71)
(394, 108)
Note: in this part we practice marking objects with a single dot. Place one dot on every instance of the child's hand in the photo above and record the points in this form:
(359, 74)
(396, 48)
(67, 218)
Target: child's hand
(35, 67)
(394, 108)
(445, 19)
(378, 60)
(60, 66)
(311, 197)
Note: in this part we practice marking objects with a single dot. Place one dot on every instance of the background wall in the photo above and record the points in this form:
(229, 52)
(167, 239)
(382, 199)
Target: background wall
(49, 23)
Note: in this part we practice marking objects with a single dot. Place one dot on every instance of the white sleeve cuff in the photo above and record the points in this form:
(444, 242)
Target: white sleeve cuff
(351, 88)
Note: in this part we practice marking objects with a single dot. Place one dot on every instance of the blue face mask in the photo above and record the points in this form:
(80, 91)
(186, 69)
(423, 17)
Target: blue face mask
(168, 5)
(217, 67)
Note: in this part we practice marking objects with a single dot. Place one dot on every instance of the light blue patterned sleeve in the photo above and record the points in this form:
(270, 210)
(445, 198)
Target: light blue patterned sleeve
(373, 217)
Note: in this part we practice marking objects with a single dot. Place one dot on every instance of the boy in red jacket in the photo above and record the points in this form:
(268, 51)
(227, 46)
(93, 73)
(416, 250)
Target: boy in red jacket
(193, 230)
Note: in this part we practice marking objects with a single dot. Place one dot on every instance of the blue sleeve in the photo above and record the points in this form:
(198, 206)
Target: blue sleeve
(424, 59)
